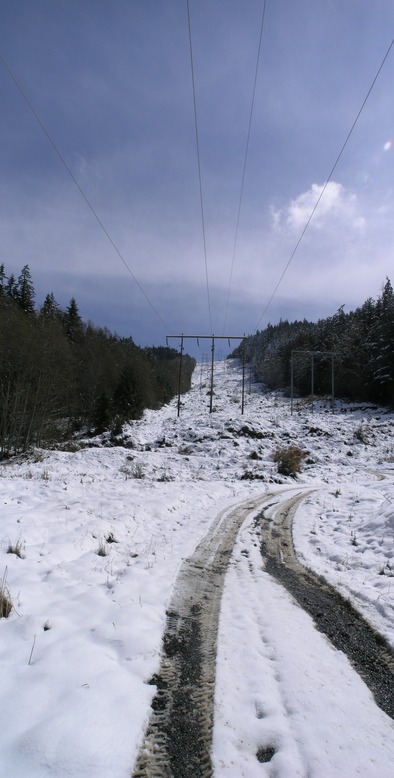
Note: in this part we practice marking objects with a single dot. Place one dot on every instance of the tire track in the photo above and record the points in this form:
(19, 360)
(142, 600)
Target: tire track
(177, 742)
(368, 652)
(178, 739)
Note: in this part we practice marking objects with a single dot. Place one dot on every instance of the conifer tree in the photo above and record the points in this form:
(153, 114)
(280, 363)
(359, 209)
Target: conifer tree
(25, 291)
(50, 309)
(11, 288)
(73, 322)
(383, 356)
(2, 278)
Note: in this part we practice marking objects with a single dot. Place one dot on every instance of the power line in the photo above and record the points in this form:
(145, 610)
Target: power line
(244, 166)
(326, 184)
(199, 164)
(87, 201)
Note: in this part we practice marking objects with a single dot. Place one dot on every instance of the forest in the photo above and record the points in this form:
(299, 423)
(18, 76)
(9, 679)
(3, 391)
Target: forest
(60, 375)
(360, 341)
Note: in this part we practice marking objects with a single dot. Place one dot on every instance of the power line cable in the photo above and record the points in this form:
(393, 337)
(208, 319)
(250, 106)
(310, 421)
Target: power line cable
(244, 166)
(199, 165)
(87, 201)
(325, 185)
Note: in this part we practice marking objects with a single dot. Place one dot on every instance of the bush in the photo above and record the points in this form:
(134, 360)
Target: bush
(289, 460)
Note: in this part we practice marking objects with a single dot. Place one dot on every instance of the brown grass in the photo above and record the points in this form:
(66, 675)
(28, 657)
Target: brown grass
(289, 460)
(5, 598)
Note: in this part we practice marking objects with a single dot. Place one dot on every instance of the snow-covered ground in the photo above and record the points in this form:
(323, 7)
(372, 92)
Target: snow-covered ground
(100, 534)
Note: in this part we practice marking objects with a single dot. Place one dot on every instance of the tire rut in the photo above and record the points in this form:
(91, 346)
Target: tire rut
(368, 652)
(177, 742)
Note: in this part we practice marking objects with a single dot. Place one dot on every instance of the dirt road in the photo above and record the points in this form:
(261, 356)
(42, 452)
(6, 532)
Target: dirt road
(178, 739)
(368, 652)
(177, 743)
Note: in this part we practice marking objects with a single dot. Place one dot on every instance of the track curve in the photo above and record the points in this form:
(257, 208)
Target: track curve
(177, 743)
(368, 652)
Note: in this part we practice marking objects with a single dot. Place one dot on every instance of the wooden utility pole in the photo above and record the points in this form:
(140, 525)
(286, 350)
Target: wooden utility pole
(180, 377)
(312, 355)
(212, 338)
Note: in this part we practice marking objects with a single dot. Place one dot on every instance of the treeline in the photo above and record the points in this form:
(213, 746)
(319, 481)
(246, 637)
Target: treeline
(363, 342)
(59, 374)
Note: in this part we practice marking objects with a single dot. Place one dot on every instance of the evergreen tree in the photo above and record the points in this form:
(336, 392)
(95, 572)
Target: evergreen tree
(58, 374)
(383, 338)
(50, 310)
(2, 278)
(128, 397)
(11, 288)
(73, 322)
(25, 291)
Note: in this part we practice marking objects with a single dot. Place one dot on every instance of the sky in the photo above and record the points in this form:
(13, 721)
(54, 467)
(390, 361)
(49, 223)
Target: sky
(100, 191)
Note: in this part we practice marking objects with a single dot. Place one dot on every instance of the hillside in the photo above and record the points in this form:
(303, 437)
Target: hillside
(351, 351)
(94, 543)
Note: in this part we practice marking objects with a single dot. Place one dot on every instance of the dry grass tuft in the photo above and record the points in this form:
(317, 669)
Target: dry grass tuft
(5, 598)
(102, 549)
(16, 548)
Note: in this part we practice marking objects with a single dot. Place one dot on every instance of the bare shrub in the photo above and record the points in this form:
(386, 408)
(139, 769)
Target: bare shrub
(138, 471)
(289, 460)
(361, 434)
(73, 446)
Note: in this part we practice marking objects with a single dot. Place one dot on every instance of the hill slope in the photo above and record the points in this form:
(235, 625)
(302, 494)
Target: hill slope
(101, 533)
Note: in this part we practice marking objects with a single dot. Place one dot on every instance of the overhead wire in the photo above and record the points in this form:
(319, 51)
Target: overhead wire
(104, 229)
(82, 193)
(325, 184)
(244, 165)
(199, 166)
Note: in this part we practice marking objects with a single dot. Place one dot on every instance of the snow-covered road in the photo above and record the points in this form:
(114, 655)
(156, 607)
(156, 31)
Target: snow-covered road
(102, 534)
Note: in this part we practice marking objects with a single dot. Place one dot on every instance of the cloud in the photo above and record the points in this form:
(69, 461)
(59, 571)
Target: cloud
(333, 203)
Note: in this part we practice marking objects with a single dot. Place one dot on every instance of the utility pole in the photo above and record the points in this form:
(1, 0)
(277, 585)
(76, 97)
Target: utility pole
(243, 379)
(312, 355)
(212, 362)
(212, 338)
(180, 377)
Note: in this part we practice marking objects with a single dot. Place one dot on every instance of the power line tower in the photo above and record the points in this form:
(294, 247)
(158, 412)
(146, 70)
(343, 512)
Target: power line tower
(212, 338)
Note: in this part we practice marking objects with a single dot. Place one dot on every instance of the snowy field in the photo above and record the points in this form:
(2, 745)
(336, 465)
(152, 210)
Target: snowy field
(91, 541)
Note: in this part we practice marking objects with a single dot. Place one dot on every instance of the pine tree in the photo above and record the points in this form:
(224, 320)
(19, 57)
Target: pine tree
(2, 279)
(50, 309)
(73, 322)
(383, 361)
(25, 291)
(11, 288)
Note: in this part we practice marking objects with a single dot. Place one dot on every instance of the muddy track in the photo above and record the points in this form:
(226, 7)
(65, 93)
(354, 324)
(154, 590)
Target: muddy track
(368, 652)
(177, 743)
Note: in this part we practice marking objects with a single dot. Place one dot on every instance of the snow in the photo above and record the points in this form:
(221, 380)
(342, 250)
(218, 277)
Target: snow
(293, 691)
(84, 635)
